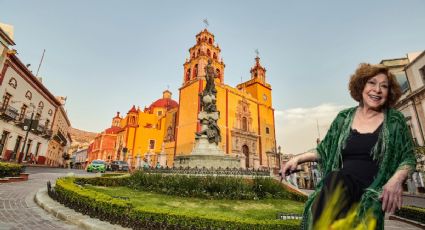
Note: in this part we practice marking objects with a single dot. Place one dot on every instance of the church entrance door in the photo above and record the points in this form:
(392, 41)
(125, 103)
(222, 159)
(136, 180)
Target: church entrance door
(245, 151)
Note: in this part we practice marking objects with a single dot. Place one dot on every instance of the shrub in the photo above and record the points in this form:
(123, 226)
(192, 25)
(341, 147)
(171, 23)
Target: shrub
(117, 211)
(10, 169)
(104, 181)
(412, 213)
(113, 174)
(207, 187)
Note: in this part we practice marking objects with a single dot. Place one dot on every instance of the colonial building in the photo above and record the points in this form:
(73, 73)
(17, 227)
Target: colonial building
(79, 159)
(246, 116)
(412, 105)
(61, 139)
(144, 132)
(27, 108)
(103, 145)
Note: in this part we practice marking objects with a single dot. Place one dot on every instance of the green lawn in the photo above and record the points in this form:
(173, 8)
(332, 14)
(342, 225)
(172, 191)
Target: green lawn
(233, 209)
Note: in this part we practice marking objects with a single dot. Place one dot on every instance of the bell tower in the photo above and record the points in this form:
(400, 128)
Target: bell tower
(257, 85)
(116, 121)
(204, 49)
(258, 71)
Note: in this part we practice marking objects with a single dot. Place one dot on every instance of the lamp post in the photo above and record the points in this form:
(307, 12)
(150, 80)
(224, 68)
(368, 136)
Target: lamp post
(27, 129)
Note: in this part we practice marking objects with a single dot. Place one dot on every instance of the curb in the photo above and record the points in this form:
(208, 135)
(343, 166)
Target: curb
(411, 222)
(421, 196)
(69, 215)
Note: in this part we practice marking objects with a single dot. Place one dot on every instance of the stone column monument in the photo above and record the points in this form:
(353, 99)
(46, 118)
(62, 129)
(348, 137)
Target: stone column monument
(207, 152)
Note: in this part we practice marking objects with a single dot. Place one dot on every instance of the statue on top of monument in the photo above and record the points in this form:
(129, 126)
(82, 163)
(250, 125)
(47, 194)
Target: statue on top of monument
(210, 75)
(209, 113)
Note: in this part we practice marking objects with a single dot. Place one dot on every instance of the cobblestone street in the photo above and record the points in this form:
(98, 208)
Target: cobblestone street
(17, 207)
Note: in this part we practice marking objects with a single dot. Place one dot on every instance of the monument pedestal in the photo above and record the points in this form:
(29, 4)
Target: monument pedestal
(207, 155)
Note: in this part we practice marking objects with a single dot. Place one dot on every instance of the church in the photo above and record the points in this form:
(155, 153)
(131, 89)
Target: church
(168, 127)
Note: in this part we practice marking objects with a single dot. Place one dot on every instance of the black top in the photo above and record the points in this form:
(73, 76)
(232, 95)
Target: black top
(357, 158)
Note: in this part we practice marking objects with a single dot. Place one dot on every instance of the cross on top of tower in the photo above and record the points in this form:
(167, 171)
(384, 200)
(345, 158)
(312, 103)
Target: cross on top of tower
(256, 52)
(206, 23)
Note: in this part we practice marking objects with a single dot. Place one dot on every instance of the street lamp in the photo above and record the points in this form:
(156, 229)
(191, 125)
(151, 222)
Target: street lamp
(27, 129)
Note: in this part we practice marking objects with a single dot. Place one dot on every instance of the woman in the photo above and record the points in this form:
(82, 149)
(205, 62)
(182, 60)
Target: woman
(367, 152)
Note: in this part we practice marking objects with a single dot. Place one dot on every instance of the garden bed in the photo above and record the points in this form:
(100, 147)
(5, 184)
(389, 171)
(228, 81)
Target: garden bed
(134, 201)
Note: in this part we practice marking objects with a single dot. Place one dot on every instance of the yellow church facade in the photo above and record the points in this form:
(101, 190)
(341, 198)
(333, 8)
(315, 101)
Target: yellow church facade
(246, 121)
(168, 128)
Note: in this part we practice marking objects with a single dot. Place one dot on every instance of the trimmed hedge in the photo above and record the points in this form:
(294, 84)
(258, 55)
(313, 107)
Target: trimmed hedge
(122, 212)
(113, 174)
(10, 169)
(412, 213)
(206, 187)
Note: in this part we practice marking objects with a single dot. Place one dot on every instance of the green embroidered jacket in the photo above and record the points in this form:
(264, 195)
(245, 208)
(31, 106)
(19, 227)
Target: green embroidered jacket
(394, 150)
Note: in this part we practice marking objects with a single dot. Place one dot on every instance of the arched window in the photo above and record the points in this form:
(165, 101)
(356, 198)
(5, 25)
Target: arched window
(195, 71)
(208, 52)
(13, 83)
(199, 40)
(244, 124)
(40, 106)
(199, 52)
(187, 77)
(210, 41)
(215, 56)
(28, 95)
(218, 74)
(193, 55)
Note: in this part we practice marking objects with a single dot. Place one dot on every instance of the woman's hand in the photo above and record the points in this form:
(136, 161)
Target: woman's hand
(392, 192)
(290, 166)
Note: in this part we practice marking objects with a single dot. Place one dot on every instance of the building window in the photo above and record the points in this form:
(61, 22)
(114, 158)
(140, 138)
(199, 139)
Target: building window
(28, 95)
(6, 99)
(47, 123)
(187, 75)
(37, 116)
(13, 83)
(402, 80)
(23, 111)
(132, 120)
(244, 124)
(40, 106)
(195, 71)
(422, 72)
(267, 130)
(160, 113)
(151, 144)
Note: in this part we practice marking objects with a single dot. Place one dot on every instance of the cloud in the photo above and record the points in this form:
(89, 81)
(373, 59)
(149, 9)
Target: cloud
(298, 128)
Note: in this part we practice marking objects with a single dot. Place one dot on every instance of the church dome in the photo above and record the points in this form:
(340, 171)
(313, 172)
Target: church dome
(167, 103)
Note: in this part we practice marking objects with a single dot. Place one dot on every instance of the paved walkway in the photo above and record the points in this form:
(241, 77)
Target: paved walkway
(18, 209)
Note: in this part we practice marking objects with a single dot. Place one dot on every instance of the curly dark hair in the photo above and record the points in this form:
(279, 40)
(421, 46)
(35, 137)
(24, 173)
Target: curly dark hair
(363, 73)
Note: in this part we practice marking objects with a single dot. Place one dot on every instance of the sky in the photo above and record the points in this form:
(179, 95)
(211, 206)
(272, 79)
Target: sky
(105, 55)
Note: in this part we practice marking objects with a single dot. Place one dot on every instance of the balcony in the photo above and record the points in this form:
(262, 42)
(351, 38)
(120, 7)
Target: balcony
(8, 113)
(47, 133)
(40, 129)
(60, 138)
